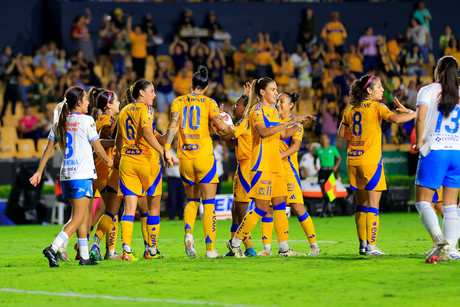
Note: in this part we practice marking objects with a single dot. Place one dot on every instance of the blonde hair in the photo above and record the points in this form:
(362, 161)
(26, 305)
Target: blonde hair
(256, 86)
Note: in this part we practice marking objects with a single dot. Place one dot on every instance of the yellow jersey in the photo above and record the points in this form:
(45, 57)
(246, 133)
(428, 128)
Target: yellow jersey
(366, 134)
(291, 162)
(266, 154)
(243, 141)
(335, 32)
(131, 120)
(195, 112)
(105, 125)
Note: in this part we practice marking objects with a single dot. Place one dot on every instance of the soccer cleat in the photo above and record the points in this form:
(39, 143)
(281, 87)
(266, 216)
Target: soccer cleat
(229, 254)
(265, 252)
(449, 254)
(96, 251)
(149, 255)
(89, 261)
(434, 255)
(237, 251)
(115, 256)
(373, 250)
(430, 251)
(362, 247)
(250, 252)
(129, 256)
(212, 254)
(62, 255)
(51, 255)
(314, 251)
(189, 245)
(290, 253)
(77, 256)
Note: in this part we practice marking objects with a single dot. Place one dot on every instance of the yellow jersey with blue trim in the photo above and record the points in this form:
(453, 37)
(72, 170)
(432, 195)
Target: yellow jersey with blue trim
(266, 154)
(195, 112)
(131, 120)
(366, 134)
(291, 163)
(105, 125)
(243, 141)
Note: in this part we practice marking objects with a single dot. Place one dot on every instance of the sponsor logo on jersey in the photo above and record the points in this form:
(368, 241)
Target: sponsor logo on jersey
(190, 147)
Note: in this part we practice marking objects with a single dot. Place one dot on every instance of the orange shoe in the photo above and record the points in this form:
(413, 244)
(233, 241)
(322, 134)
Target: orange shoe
(129, 256)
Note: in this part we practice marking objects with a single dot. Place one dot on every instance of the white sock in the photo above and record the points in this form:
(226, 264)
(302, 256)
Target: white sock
(111, 252)
(66, 243)
(236, 242)
(283, 246)
(147, 247)
(127, 248)
(153, 250)
(83, 248)
(314, 245)
(268, 247)
(449, 225)
(59, 241)
(429, 220)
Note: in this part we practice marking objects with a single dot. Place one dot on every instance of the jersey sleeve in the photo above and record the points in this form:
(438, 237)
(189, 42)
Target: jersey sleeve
(146, 117)
(240, 127)
(345, 118)
(213, 109)
(383, 111)
(298, 134)
(423, 97)
(52, 135)
(91, 130)
(175, 105)
(256, 117)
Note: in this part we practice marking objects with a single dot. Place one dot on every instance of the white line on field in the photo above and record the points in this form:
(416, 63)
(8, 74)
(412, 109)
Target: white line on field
(123, 298)
(301, 241)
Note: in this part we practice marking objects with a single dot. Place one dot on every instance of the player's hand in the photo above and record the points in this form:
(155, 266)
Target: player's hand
(400, 108)
(35, 179)
(334, 169)
(418, 145)
(109, 163)
(168, 157)
(116, 159)
(247, 88)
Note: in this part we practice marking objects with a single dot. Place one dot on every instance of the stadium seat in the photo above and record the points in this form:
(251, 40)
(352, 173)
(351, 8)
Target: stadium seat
(167, 59)
(426, 79)
(26, 149)
(8, 149)
(396, 82)
(41, 145)
(405, 147)
(390, 147)
(407, 79)
(9, 133)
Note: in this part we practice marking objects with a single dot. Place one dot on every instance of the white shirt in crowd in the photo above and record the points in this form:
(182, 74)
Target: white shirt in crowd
(173, 171)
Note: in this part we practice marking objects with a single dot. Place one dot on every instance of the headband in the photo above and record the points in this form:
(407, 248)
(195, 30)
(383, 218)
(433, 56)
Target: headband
(369, 81)
(109, 93)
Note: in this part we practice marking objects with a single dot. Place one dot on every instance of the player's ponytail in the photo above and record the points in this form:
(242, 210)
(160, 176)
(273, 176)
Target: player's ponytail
(102, 101)
(447, 75)
(70, 102)
(136, 88)
(200, 78)
(92, 95)
(256, 86)
(293, 97)
(358, 89)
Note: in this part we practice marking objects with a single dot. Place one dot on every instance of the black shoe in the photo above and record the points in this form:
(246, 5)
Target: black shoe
(51, 255)
(87, 262)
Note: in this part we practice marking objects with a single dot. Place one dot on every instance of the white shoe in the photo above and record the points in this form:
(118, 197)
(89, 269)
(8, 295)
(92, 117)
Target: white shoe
(448, 254)
(290, 253)
(189, 245)
(237, 251)
(374, 250)
(314, 251)
(433, 257)
(265, 252)
(212, 254)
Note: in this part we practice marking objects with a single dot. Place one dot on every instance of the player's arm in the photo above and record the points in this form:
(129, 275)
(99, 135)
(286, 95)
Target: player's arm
(404, 116)
(119, 140)
(47, 154)
(420, 126)
(337, 164)
(282, 128)
(295, 146)
(229, 140)
(160, 138)
(344, 131)
(100, 151)
(171, 132)
(217, 120)
(315, 161)
(105, 137)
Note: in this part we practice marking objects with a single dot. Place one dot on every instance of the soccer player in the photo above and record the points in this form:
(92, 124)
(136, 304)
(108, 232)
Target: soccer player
(438, 141)
(267, 174)
(191, 115)
(77, 136)
(361, 126)
(326, 155)
(140, 168)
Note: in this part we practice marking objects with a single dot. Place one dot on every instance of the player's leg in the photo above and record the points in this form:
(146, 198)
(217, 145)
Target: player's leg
(361, 218)
(450, 223)
(373, 222)
(208, 194)
(307, 225)
(143, 209)
(267, 233)
(127, 225)
(153, 225)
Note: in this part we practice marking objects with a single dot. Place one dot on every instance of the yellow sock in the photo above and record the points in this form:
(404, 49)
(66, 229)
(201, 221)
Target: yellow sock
(190, 214)
(267, 230)
(372, 225)
(209, 223)
(102, 227)
(247, 241)
(281, 222)
(112, 233)
(307, 225)
(153, 226)
(144, 228)
(250, 220)
(361, 222)
(127, 223)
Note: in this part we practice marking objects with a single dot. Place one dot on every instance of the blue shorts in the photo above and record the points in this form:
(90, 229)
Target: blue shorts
(78, 188)
(439, 167)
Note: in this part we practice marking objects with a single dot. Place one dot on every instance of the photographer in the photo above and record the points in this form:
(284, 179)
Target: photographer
(164, 86)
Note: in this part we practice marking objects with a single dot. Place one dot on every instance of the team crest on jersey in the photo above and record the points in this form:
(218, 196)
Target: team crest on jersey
(93, 125)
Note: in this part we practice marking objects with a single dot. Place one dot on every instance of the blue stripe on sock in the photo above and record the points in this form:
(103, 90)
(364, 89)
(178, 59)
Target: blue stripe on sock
(63, 236)
(281, 206)
(82, 242)
(267, 219)
(209, 201)
(193, 199)
(109, 215)
(260, 212)
(153, 220)
(145, 214)
(303, 217)
(234, 227)
(129, 218)
(373, 210)
(361, 209)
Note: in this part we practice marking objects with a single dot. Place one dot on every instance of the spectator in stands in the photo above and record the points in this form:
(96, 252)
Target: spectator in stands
(445, 39)
(163, 82)
(178, 51)
(244, 61)
(199, 53)
(118, 52)
(52, 54)
(40, 54)
(80, 34)
(63, 64)
(154, 38)
(11, 93)
(176, 191)
(182, 81)
(304, 76)
(411, 94)
(45, 91)
(138, 41)
(31, 128)
(396, 49)
(334, 33)
(330, 121)
(368, 45)
(453, 49)
(216, 65)
(343, 83)
(308, 30)
(27, 79)
(235, 92)
(185, 21)
(414, 62)
(60, 87)
(283, 69)
(422, 15)
(212, 25)
(317, 54)
(354, 59)
(331, 55)
(263, 50)
(229, 50)
(296, 59)
(307, 162)
(419, 35)
(107, 33)
(119, 19)
(5, 58)
(219, 95)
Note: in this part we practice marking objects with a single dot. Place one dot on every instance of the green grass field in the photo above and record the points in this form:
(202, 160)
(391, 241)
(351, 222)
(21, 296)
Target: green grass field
(338, 277)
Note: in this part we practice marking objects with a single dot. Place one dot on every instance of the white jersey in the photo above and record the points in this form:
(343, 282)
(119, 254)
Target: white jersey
(440, 132)
(78, 160)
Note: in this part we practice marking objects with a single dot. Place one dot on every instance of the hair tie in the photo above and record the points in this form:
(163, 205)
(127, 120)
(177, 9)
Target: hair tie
(64, 101)
(369, 81)
(131, 89)
(109, 94)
